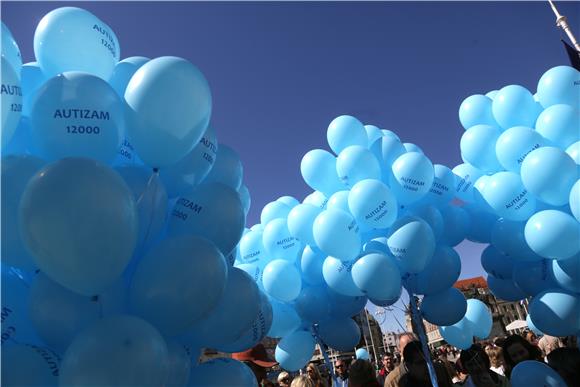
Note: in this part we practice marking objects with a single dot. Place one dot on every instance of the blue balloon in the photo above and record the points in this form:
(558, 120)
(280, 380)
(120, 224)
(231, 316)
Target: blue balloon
(442, 189)
(178, 283)
(311, 266)
(290, 201)
(179, 364)
(479, 315)
(412, 178)
(282, 280)
(252, 249)
(64, 32)
(432, 216)
(574, 152)
(29, 365)
(274, 210)
(285, 319)
(295, 350)
(77, 114)
(10, 49)
(83, 247)
(318, 169)
(459, 335)
(373, 134)
(515, 144)
(378, 276)
(124, 71)
(278, 241)
(356, 163)
(376, 245)
(227, 168)
(390, 133)
(553, 234)
(317, 199)
(567, 273)
(508, 237)
(456, 225)
(559, 124)
(410, 147)
(180, 178)
(476, 110)
(337, 234)
(504, 289)
(169, 107)
(534, 277)
(539, 177)
(11, 101)
(557, 85)
(222, 372)
(556, 312)
(313, 304)
(480, 225)
(110, 351)
(32, 78)
(345, 131)
(300, 222)
(345, 306)
(362, 354)
(535, 373)
(412, 242)
(337, 275)
(253, 270)
(506, 195)
(440, 273)
(513, 106)
(491, 94)
(444, 308)
(213, 211)
(339, 334)
(496, 263)
(245, 198)
(532, 327)
(478, 147)
(126, 155)
(387, 149)
(339, 201)
(372, 204)
(466, 176)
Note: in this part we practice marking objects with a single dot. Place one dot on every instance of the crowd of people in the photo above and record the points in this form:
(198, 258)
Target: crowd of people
(484, 364)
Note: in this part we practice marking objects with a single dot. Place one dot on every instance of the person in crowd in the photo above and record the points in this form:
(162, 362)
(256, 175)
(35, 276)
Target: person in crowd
(284, 379)
(516, 349)
(394, 376)
(531, 337)
(341, 374)
(258, 360)
(362, 374)
(447, 365)
(460, 374)
(566, 362)
(477, 365)
(314, 375)
(549, 343)
(496, 359)
(302, 381)
(388, 366)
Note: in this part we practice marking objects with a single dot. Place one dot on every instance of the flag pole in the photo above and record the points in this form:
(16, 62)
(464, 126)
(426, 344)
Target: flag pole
(562, 22)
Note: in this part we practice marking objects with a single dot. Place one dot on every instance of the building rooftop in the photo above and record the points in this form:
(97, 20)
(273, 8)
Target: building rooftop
(476, 282)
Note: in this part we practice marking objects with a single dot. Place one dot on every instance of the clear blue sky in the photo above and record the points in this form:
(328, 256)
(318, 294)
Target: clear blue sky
(280, 72)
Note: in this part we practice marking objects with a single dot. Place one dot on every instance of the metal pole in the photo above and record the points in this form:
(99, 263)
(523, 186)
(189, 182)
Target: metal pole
(415, 315)
(371, 334)
(562, 22)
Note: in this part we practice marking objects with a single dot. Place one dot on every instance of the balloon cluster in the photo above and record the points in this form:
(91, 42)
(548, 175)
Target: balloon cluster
(120, 213)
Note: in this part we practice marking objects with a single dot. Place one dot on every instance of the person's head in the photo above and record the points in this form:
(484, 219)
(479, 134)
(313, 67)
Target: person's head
(404, 339)
(312, 372)
(340, 367)
(475, 360)
(495, 356)
(284, 379)
(531, 337)
(302, 381)
(388, 361)
(415, 361)
(516, 349)
(460, 371)
(361, 373)
(566, 362)
(257, 359)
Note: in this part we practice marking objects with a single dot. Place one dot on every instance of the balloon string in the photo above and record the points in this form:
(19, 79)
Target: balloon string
(153, 176)
(416, 316)
(323, 349)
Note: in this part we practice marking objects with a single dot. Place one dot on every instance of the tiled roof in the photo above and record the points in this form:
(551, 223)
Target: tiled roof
(476, 282)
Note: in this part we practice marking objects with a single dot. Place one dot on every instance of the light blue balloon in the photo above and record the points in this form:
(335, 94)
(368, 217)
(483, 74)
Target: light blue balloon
(313, 304)
(300, 222)
(440, 273)
(339, 201)
(345, 131)
(534, 277)
(378, 276)
(559, 124)
(285, 319)
(412, 242)
(340, 334)
(337, 275)
(282, 280)
(252, 249)
(410, 147)
(553, 234)
(253, 270)
(191, 170)
(376, 245)
(373, 204)
(362, 354)
(278, 241)
(442, 189)
(318, 169)
(557, 85)
(387, 149)
(390, 133)
(10, 49)
(479, 315)
(126, 155)
(476, 110)
(556, 312)
(311, 266)
(481, 225)
(496, 263)
(295, 350)
(567, 273)
(532, 327)
(58, 314)
(345, 306)
(119, 350)
(232, 316)
(29, 365)
(16, 173)
(78, 114)
(169, 106)
(178, 283)
(213, 211)
(504, 289)
(444, 308)
(432, 216)
(356, 163)
(491, 94)
(459, 335)
(539, 177)
(32, 79)
(178, 365)
(456, 225)
(21, 142)
(274, 210)
(83, 247)
(317, 199)
(124, 71)
(290, 201)
(245, 197)
(11, 108)
(337, 234)
(227, 168)
(373, 134)
(478, 147)
(64, 33)
(574, 152)
(535, 373)
(466, 176)
(513, 106)
(222, 372)
(479, 187)
(515, 144)
(412, 177)
(507, 196)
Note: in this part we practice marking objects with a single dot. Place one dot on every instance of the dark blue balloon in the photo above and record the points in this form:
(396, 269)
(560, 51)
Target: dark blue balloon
(313, 303)
(345, 306)
(341, 334)
(444, 308)
(496, 263)
(504, 289)
(534, 277)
